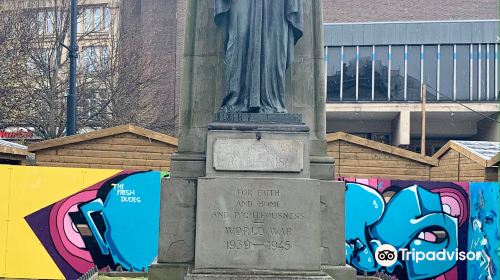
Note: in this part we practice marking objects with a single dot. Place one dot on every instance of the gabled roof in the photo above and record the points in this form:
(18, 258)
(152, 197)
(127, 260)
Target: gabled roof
(101, 134)
(381, 147)
(10, 148)
(484, 153)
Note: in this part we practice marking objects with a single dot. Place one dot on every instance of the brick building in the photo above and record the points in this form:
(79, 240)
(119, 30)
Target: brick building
(337, 11)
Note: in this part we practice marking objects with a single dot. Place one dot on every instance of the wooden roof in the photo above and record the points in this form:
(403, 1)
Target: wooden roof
(473, 154)
(101, 134)
(381, 147)
(12, 148)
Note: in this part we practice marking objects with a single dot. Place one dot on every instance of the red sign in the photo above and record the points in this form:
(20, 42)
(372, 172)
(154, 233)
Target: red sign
(19, 134)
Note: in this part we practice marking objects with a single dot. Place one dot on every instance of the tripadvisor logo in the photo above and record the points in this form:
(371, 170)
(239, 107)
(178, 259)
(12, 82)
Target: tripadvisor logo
(386, 255)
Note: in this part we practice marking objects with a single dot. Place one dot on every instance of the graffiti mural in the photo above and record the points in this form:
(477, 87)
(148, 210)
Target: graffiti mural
(112, 223)
(483, 230)
(427, 218)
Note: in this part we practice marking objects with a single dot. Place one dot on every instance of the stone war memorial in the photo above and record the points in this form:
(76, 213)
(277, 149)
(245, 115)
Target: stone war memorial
(252, 192)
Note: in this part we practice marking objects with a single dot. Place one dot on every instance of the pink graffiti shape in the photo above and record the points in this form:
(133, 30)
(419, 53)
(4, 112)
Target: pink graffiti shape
(63, 234)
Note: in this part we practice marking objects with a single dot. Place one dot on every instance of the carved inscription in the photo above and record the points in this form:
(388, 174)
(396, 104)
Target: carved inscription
(252, 223)
(259, 225)
(258, 155)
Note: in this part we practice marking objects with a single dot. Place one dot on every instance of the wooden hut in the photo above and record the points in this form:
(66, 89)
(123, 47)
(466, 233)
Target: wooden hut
(363, 158)
(467, 161)
(12, 153)
(121, 147)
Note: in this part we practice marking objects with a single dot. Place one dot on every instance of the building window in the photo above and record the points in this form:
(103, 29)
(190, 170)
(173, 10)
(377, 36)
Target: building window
(106, 19)
(50, 22)
(491, 72)
(349, 75)
(381, 64)
(397, 73)
(333, 74)
(474, 75)
(88, 19)
(88, 59)
(365, 73)
(462, 79)
(446, 73)
(463, 72)
(414, 83)
(430, 71)
(95, 58)
(95, 19)
(46, 22)
(483, 74)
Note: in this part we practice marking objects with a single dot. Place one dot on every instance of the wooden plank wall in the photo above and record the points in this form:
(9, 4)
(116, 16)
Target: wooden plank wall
(469, 170)
(448, 167)
(456, 167)
(121, 151)
(358, 161)
(21, 160)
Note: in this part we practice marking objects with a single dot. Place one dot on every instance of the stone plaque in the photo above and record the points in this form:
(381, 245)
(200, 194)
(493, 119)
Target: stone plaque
(257, 223)
(258, 155)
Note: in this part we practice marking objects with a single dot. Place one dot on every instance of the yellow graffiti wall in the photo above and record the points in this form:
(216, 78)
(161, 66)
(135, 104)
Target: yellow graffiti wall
(24, 190)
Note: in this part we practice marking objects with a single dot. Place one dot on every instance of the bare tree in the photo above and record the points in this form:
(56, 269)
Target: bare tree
(115, 84)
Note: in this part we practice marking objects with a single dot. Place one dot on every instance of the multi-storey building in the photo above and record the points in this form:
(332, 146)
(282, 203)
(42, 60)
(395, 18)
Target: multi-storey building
(380, 53)
(376, 72)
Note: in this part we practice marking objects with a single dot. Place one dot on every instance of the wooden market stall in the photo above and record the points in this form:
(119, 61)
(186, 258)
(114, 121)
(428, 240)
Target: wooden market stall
(363, 158)
(13, 153)
(121, 147)
(467, 161)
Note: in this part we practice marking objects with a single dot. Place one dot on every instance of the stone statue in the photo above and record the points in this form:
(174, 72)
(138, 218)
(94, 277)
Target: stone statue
(259, 38)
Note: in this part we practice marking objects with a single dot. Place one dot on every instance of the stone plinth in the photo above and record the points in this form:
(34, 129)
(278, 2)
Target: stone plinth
(235, 274)
(258, 223)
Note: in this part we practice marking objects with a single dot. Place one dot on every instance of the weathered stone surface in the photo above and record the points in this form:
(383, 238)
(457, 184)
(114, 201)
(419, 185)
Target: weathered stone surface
(322, 168)
(258, 223)
(264, 155)
(177, 220)
(162, 271)
(259, 127)
(258, 118)
(183, 165)
(236, 274)
(246, 162)
(341, 272)
(332, 223)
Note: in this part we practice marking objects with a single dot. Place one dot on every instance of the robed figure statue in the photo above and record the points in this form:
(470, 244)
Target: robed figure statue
(259, 38)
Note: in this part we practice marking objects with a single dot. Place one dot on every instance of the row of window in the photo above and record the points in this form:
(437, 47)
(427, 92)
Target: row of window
(92, 59)
(397, 72)
(92, 19)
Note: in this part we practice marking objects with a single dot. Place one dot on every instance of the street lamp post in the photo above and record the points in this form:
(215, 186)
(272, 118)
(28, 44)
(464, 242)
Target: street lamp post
(73, 55)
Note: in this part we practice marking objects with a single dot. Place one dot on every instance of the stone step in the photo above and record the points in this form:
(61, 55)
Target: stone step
(236, 274)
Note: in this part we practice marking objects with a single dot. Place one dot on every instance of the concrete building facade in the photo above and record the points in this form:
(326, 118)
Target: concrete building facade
(376, 72)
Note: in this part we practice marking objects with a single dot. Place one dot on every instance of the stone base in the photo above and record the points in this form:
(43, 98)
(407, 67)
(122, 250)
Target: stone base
(340, 272)
(158, 271)
(177, 220)
(322, 168)
(162, 271)
(215, 274)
